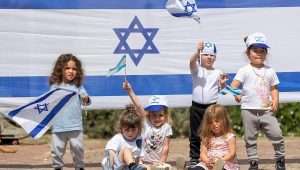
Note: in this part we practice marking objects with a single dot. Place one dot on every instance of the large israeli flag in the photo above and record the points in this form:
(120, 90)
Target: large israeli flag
(157, 45)
(36, 117)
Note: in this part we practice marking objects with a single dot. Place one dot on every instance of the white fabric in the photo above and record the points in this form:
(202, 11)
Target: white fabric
(256, 38)
(117, 142)
(256, 89)
(205, 85)
(31, 40)
(153, 141)
(34, 115)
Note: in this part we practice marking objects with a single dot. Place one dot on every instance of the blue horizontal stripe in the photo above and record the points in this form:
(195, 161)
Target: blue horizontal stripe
(112, 86)
(138, 4)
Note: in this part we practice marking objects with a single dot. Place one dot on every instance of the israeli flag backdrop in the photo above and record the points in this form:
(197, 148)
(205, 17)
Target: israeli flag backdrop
(33, 33)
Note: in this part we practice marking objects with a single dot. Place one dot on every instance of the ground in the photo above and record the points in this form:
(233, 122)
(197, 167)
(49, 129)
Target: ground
(36, 154)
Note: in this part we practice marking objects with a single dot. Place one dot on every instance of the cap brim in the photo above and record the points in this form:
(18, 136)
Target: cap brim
(154, 108)
(260, 46)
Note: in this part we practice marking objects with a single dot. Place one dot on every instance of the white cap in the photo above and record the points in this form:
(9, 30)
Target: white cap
(257, 39)
(209, 48)
(156, 103)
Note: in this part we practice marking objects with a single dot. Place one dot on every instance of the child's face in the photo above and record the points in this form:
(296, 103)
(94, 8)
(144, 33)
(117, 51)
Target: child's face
(216, 127)
(257, 56)
(207, 60)
(157, 119)
(130, 133)
(70, 71)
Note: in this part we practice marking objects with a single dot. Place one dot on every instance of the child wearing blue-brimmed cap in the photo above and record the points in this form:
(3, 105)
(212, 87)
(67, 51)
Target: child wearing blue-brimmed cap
(157, 131)
(259, 100)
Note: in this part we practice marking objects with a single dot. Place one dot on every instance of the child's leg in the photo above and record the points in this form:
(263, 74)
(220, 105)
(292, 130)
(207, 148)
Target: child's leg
(77, 148)
(196, 115)
(271, 128)
(58, 148)
(126, 156)
(251, 126)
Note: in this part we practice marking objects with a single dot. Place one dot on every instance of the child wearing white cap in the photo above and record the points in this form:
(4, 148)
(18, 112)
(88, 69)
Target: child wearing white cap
(157, 131)
(259, 100)
(207, 82)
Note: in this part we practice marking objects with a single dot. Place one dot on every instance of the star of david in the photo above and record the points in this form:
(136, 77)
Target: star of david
(136, 27)
(41, 107)
(188, 10)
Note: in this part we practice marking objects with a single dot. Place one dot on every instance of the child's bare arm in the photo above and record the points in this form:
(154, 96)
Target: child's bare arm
(236, 84)
(275, 98)
(232, 150)
(135, 100)
(204, 157)
(165, 151)
(195, 57)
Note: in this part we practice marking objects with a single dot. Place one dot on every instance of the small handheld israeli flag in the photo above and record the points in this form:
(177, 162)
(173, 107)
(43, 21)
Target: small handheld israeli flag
(36, 117)
(229, 90)
(183, 8)
(121, 64)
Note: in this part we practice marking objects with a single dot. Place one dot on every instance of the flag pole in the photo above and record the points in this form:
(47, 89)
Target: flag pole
(125, 70)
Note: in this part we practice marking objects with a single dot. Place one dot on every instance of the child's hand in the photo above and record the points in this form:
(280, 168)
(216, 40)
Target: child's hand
(126, 86)
(210, 164)
(274, 106)
(85, 100)
(237, 98)
(222, 80)
(200, 46)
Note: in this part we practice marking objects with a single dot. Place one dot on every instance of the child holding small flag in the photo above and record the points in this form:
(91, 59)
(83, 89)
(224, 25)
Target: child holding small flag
(157, 131)
(259, 100)
(67, 126)
(207, 82)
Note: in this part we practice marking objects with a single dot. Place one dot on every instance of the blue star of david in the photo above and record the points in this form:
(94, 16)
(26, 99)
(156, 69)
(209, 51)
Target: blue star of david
(136, 54)
(41, 107)
(186, 8)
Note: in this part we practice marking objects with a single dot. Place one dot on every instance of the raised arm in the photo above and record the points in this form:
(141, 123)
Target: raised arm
(196, 56)
(135, 100)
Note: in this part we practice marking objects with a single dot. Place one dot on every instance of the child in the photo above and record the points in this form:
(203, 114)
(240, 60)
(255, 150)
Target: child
(207, 81)
(67, 127)
(123, 150)
(157, 130)
(259, 100)
(218, 148)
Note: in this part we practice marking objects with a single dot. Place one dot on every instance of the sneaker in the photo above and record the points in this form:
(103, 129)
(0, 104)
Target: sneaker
(192, 163)
(219, 165)
(280, 164)
(57, 169)
(253, 165)
(180, 163)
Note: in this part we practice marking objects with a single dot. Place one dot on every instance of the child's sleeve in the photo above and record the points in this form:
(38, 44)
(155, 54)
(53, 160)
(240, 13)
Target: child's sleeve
(274, 80)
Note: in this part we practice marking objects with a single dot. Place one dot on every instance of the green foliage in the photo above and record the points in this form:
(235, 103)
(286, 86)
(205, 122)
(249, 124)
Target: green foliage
(103, 123)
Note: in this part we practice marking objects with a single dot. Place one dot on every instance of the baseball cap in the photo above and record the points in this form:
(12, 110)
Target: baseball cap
(156, 103)
(257, 39)
(209, 48)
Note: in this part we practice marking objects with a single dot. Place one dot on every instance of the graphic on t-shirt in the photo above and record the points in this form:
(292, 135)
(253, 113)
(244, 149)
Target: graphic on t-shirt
(263, 91)
(153, 142)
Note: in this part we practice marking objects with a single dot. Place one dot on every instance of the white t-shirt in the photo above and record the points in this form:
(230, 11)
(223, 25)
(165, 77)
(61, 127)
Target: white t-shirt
(257, 83)
(205, 85)
(117, 142)
(153, 140)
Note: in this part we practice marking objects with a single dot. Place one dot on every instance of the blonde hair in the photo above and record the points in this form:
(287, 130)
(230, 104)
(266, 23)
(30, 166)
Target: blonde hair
(214, 112)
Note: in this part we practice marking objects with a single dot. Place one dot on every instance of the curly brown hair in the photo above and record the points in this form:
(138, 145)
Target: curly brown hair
(56, 76)
(214, 112)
